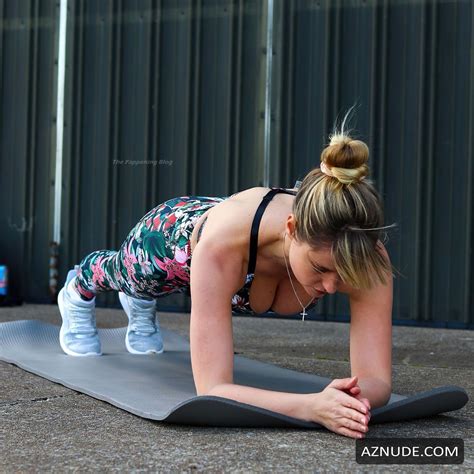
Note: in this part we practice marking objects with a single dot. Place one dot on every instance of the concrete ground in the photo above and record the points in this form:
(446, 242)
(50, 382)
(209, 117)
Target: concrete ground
(45, 427)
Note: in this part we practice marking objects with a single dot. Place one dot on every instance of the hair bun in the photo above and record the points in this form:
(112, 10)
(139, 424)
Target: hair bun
(346, 159)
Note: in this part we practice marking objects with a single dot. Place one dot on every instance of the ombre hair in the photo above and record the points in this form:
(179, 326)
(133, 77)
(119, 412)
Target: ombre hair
(342, 210)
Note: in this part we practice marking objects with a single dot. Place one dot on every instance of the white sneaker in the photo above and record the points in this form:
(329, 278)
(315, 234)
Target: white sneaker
(143, 332)
(78, 335)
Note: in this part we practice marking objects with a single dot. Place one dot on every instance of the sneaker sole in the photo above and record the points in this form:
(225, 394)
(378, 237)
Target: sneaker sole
(61, 332)
(126, 308)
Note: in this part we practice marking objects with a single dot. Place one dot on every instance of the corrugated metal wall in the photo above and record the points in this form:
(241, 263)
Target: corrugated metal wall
(410, 67)
(27, 105)
(177, 88)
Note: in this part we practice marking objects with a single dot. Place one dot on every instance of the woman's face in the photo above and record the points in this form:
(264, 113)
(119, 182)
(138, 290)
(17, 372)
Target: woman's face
(313, 268)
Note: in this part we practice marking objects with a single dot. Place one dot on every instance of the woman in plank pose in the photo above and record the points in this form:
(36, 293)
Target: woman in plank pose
(256, 251)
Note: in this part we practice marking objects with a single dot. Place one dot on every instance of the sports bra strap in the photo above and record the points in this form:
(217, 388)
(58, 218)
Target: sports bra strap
(256, 223)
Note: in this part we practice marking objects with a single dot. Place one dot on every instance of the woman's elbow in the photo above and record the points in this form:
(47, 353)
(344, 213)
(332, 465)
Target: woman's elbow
(383, 398)
(213, 389)
(381, 401)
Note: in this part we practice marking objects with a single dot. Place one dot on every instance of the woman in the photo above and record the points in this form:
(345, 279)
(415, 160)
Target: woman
(304, 243)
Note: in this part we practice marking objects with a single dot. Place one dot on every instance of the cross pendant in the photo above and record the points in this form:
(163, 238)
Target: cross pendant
(304, 313)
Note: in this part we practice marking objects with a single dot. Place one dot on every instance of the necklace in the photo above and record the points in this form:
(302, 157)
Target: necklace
(303, 313)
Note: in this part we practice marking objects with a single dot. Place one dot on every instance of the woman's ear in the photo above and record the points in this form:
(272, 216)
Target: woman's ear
(290, 226)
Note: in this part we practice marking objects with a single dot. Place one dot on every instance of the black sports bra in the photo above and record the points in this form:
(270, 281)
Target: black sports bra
(241, 301)
(256, 223)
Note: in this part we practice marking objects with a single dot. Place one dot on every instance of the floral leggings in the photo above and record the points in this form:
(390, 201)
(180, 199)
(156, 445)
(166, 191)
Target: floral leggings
(155, 258)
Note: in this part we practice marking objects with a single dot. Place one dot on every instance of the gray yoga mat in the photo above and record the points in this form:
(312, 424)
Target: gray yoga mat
(161, 387)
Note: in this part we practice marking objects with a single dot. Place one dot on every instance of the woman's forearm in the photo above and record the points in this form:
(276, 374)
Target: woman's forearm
(296, 405)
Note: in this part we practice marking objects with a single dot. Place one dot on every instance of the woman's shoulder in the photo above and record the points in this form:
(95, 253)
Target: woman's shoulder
(249, 194)
(240, 207)
(229, 221)
(256, 193)
(232, 214)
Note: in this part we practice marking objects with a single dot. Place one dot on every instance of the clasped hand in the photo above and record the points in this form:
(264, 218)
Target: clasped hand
(340, 408)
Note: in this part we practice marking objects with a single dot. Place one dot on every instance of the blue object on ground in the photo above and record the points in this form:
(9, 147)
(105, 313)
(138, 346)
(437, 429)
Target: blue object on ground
(3, 280)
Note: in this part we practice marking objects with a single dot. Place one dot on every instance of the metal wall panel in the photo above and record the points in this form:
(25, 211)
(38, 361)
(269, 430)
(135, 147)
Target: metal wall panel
(27, 98)
(183, 82)
(409, 67)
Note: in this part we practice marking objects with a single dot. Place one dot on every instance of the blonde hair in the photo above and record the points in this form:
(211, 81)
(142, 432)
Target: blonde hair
(340, 208)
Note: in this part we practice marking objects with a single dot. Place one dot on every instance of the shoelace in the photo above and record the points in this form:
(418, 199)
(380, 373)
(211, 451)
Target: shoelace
(143, 319)
(80, 321)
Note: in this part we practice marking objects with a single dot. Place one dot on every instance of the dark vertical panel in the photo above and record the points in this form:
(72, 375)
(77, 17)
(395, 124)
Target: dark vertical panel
(41, 147)
(354, 43)
(469, 276)
(70, 251)
(459, 29)
(287, 86)
(235, 113)
(94, 159)
(2, 33)
(134, 164)
(39, 131)
(413, 111)
(462, 181)
(379, 149)
(250, 172)
(401, 136)
(176, 18)
(114, 237)
(193, 111)
(450, 157)
(215, 93)
(14, 173)
(334, 46)
(276, 102)
(428, 133)
(26, 118)
(442, 168)
(31, 141)
(421, 167)
(310, 64)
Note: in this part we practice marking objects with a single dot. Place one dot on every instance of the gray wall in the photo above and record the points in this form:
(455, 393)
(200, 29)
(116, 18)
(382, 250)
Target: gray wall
(184, 82)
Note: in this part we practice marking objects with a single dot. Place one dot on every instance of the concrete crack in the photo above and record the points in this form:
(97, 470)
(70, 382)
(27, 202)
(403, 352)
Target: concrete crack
(37, 399)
